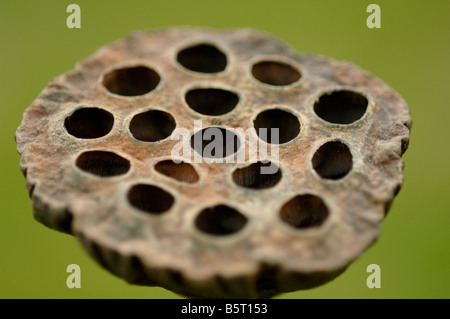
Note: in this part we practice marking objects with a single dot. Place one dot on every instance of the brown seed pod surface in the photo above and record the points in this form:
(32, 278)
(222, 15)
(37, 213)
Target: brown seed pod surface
(97, 151)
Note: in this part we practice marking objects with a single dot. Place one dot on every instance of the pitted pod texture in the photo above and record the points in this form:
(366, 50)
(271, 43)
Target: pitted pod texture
(97, 151)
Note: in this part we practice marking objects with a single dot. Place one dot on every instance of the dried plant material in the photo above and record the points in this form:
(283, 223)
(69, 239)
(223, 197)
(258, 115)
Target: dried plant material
(97, 152)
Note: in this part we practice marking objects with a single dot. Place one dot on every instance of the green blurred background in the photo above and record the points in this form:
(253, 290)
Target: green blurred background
(410, 52)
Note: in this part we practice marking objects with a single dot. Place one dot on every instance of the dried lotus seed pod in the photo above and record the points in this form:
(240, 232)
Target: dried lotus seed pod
(97, 149)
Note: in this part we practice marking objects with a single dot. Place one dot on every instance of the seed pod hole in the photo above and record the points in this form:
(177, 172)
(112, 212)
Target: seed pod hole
(211, 101)
(341, 107)
(150, 199)
(275, 73)
(182, 172)
(131, 81)
(258, 175)
(204, 58)
(333, 160)
(89, 122)
(304, 211)
(152, 126)
(220, 220)
(215, 142)
(102, 163)
(276, 126)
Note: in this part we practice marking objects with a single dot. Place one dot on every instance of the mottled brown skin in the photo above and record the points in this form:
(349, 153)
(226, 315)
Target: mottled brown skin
(267, 257)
